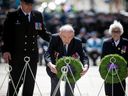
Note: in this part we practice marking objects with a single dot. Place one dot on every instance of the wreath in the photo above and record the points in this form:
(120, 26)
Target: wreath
(113, 68)
(74, 68)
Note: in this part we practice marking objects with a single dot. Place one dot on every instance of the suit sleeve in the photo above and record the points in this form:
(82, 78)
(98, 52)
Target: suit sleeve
(8, 26)
(44, 34)
(50, 53)
(83, 56)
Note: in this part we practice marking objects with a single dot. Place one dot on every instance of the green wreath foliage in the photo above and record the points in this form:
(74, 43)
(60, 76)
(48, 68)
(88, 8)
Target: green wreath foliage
(115, 74)
(75, 65)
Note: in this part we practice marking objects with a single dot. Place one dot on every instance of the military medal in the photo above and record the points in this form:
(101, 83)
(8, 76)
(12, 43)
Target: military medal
(38, 26)
(123, 49)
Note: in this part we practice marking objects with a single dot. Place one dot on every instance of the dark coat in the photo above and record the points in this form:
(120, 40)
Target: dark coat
(20, 36)
(122, 50)
(20, 39)
(109, 47)
(56, 51)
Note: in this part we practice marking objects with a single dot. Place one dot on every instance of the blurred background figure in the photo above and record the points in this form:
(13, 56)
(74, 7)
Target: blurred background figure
(54, 23)
(92, 4)
(93, 47)
(114, 3)
(106, 36)
(42, 48)
(83, 36)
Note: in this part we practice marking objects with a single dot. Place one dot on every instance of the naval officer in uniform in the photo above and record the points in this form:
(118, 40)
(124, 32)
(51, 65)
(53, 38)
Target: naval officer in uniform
(21, 29)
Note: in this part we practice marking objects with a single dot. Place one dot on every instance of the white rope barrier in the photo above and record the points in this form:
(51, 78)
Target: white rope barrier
(26, 67)
(103, 82)
(67, 64)
(121, 83)
(20, 77)
(3, 81)
(58, 85)
(74, 80)
(35, 80)
(27, 60)
(64, 71)
(8, 69)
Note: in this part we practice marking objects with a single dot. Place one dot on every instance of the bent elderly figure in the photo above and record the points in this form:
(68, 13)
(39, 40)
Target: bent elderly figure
(64, 44)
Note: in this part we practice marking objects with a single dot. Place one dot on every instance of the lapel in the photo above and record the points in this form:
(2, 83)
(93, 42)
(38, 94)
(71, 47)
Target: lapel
(59, 46)
(60, 49)
(32, 17)
(70, 47)
(113, 43)
(32, 20)
(118, 48)
(21, 17)
(120, 43)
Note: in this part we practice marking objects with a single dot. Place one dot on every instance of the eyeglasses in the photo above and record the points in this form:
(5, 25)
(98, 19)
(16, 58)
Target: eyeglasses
(116, 31)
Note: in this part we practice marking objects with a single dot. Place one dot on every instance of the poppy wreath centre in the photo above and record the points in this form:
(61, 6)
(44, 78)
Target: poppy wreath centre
(69, 66)
(113, 68)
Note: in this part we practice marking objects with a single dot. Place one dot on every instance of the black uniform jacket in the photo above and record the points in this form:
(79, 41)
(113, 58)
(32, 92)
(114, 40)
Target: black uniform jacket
(56, 51)
(121, 49)
(20, 36)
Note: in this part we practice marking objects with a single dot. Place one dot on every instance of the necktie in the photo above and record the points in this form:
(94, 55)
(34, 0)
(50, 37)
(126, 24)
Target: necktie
(27, 17)
(65, 51)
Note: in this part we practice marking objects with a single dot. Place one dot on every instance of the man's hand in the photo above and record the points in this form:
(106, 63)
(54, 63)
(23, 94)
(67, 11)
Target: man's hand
(85, 69)
(6, 57)
(52, 67)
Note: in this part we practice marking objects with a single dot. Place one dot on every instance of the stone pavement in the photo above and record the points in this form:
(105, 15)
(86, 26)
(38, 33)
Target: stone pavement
(89, 85)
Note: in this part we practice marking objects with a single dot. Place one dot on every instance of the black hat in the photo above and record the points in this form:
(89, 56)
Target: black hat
(28, 1)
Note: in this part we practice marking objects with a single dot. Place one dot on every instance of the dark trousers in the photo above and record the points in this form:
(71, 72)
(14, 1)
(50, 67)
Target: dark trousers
(17, 67)
(117, 89)
(68, 92)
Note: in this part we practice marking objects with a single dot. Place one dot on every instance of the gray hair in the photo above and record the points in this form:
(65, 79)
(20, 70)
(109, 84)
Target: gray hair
(116, 24)
(66, 28)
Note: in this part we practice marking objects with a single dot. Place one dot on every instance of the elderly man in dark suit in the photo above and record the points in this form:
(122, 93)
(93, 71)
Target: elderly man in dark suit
(64, 44)
(115, 45)
(21, 29)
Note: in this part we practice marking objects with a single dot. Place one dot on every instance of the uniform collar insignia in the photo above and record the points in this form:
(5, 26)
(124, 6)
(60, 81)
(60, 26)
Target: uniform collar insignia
(17, 22)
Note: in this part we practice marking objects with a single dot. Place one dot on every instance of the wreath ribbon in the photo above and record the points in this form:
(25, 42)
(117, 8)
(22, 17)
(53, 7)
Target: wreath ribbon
(113, 68)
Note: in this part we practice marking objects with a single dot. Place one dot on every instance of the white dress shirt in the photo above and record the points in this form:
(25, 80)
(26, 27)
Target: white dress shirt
(29, 14)
(116, 42)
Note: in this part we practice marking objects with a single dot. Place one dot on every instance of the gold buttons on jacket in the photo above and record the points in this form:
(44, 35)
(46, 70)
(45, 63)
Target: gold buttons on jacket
(118, 48)
(25, 43)
(26, 36)
(33, 36)
(33, 42)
